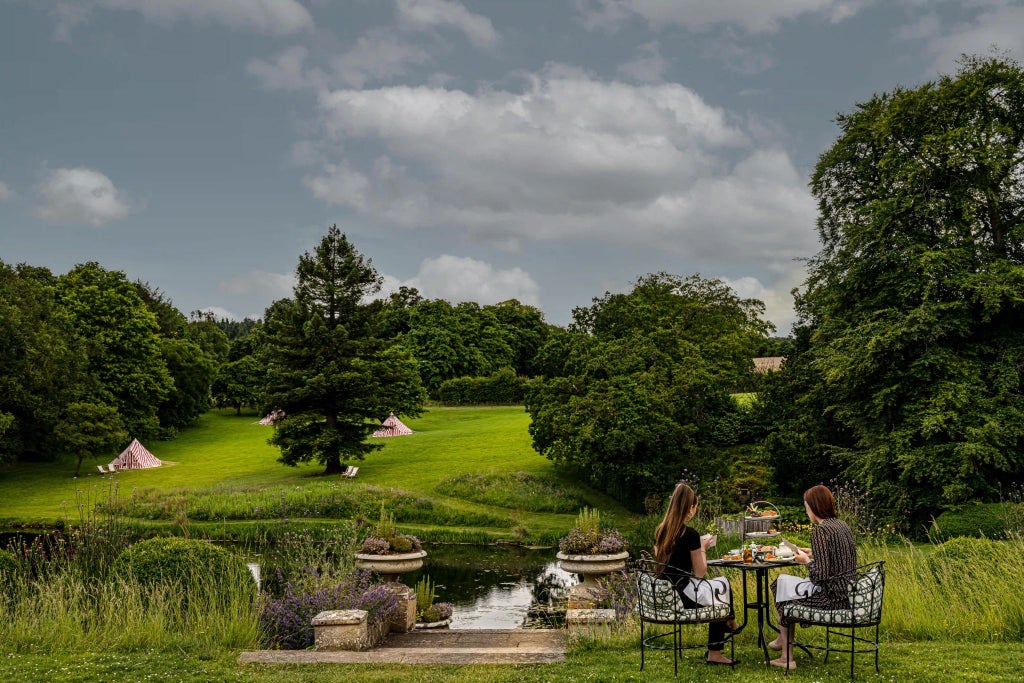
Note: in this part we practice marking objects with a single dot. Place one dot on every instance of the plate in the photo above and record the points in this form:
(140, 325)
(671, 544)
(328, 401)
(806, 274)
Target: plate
(760, 534)
(761, 518)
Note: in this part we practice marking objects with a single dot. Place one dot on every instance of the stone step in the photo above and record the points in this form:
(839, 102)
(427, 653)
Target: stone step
(491, 646)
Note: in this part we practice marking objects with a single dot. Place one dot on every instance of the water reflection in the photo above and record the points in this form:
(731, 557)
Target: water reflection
(496, 587)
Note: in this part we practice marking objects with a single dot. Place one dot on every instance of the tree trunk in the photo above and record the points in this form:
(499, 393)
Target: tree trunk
(238, 409)
(78, 467)
(333, 465)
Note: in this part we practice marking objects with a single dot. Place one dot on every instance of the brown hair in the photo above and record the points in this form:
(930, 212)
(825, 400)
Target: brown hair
(672, 526)
(821, 501)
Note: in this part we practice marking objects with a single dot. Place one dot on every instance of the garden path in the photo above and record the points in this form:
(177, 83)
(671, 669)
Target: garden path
(484, 646)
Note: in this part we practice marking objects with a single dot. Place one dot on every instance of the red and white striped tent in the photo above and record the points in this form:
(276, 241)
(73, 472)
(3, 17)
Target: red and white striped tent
(272, 417)
(135, 457)
(392, 426)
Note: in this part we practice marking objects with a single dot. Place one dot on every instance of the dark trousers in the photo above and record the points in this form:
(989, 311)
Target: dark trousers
(716, 629)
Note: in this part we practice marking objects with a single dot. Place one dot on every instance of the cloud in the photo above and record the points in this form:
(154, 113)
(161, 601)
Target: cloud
(569, 157)
(458, 279)
(275, 17)
(259, 283)
(648, 66)
(997, 24)
(80, 195)
(777, 297)
(422, 14)
(6, 192)
(752, 16)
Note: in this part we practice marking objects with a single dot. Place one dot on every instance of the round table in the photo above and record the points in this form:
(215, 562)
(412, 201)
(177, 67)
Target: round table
(761, 602)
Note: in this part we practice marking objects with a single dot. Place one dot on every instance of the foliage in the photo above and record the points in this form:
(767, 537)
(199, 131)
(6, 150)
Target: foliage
(588, 538)
(328, 368)
(641, 380)
(616, 591)
(238, 384)
(384, 538)
(988, 520)
(124, 368)
(501, 387)
(285, 622)
(516, 490)
(911, 313)
(425, 593)
(192, 371)
(161, 560)
(90, 430)
(40, 363)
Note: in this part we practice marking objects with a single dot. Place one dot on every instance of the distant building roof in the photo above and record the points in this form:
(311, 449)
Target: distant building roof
(768, 363)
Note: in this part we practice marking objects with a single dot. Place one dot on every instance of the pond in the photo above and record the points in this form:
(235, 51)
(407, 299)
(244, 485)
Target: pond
(497, 586)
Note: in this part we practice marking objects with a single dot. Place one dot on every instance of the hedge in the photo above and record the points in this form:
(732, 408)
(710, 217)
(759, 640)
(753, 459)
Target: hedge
(981, 519)
(164, 560)
(502, 387)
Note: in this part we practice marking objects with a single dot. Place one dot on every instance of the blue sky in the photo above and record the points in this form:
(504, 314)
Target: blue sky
(479, 150)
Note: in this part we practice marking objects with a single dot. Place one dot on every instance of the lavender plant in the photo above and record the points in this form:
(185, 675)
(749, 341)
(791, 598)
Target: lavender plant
(588, 538)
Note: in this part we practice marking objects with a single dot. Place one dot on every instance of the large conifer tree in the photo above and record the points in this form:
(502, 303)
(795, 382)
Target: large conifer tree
(328, 367)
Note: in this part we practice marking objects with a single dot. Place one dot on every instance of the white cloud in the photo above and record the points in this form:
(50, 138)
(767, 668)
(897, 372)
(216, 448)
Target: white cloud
(6, 192)
(285, 72)
(777, 297)
(997, 24)
(648, 66)
(650, 166)
(456, 279)
(421, 14)
(276, 17)
(753, 16)
(80, 195)
(259, 283)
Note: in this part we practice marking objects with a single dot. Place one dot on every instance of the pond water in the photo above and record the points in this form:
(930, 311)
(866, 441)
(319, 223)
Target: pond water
(497, 586)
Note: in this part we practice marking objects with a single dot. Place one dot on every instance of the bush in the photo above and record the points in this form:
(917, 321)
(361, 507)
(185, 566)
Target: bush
(163, 560)
(588, 538)
(503, 387)
(982, 519)
(957, 557)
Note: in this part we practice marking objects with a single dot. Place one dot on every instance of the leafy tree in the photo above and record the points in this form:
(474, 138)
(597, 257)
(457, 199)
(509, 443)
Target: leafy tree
(328, 367)
(124, 367)
(90, 429)
(193, 371)
(524, 331)
(238, 383)
(397, 311)
(915, 304)
(637, 385)
(41, 362)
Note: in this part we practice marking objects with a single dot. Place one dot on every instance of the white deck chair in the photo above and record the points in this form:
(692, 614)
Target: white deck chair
(352, 472)
(102, 469)
(112, 467)
(344, 472)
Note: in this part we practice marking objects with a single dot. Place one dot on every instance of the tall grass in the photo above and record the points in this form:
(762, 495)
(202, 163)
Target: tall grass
(516, 490)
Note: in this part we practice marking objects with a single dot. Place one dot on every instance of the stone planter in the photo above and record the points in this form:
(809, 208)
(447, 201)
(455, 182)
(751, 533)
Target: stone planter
(388, 567)
(591, 567)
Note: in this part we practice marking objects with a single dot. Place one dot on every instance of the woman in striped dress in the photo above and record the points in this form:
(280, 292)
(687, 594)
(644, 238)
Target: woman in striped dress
(831, 563)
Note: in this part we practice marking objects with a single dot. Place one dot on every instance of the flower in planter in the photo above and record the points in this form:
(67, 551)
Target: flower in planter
(428, 611)
(588, 538)
(384, 539)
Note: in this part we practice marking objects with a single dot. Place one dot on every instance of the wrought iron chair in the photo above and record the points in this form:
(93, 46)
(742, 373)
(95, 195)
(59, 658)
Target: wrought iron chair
(865, 610)
(658, 602)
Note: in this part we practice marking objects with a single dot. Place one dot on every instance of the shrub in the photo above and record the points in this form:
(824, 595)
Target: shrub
(982, 519)
(384, 539)
(588, 538)
(286, 622)
(162, 560)
(502, 387)
(958, 556)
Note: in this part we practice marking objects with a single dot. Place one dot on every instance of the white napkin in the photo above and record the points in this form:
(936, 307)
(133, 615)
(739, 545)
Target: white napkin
(792, 587)
(706, 594)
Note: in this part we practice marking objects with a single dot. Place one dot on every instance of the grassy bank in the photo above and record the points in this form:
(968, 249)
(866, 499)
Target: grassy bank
(222, 473)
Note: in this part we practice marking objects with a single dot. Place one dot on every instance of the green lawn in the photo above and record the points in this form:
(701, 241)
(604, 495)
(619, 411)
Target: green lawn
(231, 451)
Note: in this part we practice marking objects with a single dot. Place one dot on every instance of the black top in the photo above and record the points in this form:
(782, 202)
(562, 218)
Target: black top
(680, 559)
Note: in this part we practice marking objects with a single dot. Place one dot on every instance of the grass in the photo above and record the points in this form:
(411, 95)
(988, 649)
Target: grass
(223, 466)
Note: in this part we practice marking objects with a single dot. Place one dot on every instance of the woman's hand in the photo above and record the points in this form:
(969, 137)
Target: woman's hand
(802, 557)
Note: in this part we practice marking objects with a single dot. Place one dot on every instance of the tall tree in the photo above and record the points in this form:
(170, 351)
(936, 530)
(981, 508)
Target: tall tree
(125, 369)
(88, 430)
(915, 303)
(328, 367)
(634, 390)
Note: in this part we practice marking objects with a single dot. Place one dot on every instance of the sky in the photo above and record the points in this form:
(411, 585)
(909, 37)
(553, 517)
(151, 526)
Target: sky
(545, 150)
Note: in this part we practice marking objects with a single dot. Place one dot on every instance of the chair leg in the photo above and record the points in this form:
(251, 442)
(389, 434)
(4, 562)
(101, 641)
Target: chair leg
(641, 644)
(828, 644)
(876, 649)
(853, 648)
(677, 641)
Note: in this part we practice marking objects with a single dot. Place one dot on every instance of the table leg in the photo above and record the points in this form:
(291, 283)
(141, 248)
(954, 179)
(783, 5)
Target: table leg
(761, 577)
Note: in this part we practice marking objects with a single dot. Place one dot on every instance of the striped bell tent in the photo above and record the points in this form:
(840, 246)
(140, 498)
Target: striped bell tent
(272, 417)
(392, 426)
(135, 457)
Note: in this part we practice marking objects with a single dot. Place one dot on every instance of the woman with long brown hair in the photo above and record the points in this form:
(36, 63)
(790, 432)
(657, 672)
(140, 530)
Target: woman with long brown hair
(681, 548)
(831, 562)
